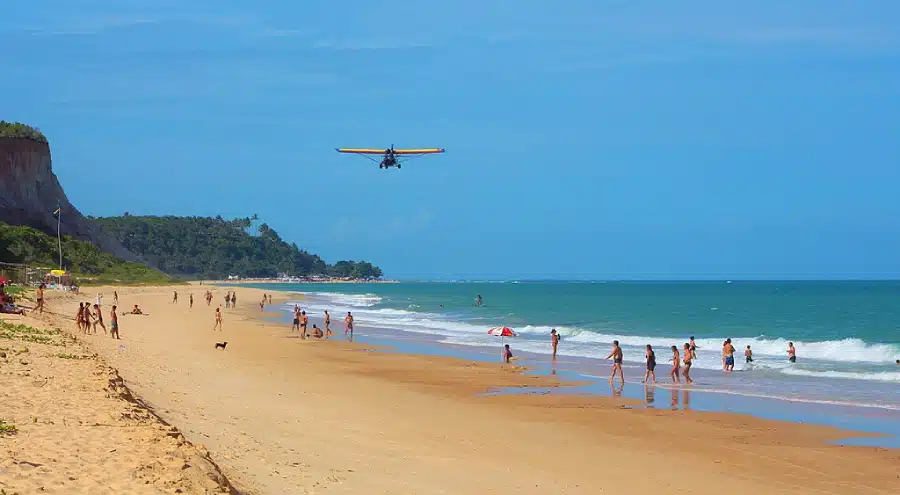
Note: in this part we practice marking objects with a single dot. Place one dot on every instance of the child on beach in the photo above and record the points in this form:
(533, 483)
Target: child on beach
(507, 354)
(651, 364)
(317, 332)
(113, 323)
(676, 365)
(748, 354)
(40, 299)
(218, 320)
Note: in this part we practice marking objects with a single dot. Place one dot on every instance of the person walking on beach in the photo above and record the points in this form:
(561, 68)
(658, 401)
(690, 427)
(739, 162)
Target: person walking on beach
(99, 297)
(86, 318)
(39, 295)
(175, 297)
(115, 298)
(190, 300)
(227, 300)
(792, 353)
(651, 364)
(218, 320)
(262, 304)
(616, 356)
(79, 317)
(554, 339)
(114, 322)
(748, 354)
(233, 300)
(270, 298)
(693, 348)
(304, 320)
(296, 323)
(729, 356)
(327, 324)
(676, 365)
(688, 358)
(98, 319)
(348, 322)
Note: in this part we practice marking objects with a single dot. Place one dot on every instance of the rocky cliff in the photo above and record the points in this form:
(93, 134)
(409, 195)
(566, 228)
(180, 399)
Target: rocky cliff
(29, 191)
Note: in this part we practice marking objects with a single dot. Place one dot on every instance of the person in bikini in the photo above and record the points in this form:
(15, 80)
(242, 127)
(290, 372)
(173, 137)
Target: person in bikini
(651, 364)
(327, 324)
(693, 348)
(554, 340)
(218, 324)
(79, 317)
(617, 358)
(676, 365)
(98, 319)
(86, 318)
(688, 358)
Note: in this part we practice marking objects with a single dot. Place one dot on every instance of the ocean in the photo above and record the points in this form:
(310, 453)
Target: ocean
(847, 334)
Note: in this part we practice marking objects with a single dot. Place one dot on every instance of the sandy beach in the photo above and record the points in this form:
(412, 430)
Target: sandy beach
(283, 415)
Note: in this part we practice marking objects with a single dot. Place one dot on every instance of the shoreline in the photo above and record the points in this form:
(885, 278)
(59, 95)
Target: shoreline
(281, 415)
(581, 376)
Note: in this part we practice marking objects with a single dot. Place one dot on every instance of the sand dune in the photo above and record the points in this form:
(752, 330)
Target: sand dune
(282, 415)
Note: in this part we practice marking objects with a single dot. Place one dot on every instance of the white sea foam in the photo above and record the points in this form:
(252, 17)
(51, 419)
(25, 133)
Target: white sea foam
(770, 353)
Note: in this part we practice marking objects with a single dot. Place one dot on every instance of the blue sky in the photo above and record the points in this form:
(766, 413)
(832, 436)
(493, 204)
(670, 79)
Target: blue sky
(585, 139)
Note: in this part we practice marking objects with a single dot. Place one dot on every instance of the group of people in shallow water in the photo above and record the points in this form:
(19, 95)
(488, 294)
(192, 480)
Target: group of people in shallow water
(301, 321)
(681, 360)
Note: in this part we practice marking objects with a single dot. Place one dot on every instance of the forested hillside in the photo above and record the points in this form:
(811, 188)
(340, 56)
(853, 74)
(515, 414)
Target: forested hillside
(22, 244)
(214, 248)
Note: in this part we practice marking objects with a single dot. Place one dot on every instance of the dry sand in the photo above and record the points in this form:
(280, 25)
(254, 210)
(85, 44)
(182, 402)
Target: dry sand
(78, 429)
(281, 415)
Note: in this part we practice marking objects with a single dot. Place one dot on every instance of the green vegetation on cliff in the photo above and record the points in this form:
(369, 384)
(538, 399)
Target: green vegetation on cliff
(214, 248)
(21, 131)
(21, 244)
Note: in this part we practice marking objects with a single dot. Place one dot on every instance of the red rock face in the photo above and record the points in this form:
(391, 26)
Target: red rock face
(29, 191)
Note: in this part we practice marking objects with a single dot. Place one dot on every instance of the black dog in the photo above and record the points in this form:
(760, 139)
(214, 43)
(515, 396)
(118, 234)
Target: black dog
(221, 344)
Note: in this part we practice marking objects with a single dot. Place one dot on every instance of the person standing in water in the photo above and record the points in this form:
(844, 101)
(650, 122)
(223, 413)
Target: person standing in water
(729, 355)
(554, 339)
(688, 359)
(693, 348)
(748, 354)
(792, 353)
(676, 365)
(651, 364)
(348, 321)
(616, 356)
(478, 300)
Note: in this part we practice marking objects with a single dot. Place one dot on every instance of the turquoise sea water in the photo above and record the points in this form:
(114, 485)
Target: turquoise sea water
(847, 334)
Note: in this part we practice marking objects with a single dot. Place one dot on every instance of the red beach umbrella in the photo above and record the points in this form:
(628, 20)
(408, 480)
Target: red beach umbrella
(502, 332)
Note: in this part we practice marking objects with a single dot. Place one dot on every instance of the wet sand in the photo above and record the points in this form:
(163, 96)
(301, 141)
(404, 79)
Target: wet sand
(283, 415)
